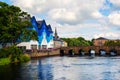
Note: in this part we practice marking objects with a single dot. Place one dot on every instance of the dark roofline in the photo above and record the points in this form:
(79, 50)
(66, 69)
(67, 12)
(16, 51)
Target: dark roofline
(102, 38)
(49, 28)
(41, 22)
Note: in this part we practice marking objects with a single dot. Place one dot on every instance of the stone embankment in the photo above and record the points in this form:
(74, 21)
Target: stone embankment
(44, 53)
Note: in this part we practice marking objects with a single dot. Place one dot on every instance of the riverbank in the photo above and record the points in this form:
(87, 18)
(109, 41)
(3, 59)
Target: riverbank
(12, 54)
(22, 58)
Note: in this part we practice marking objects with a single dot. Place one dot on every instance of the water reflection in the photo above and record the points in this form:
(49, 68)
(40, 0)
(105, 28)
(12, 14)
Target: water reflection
(64, 68)
(45, 71)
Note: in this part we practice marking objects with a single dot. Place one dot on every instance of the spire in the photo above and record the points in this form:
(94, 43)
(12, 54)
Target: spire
(56, 35)
(55, 31)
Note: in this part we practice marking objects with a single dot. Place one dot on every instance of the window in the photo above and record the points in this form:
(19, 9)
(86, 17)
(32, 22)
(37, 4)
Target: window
(39, 46)
(33, 46)
(44, 46)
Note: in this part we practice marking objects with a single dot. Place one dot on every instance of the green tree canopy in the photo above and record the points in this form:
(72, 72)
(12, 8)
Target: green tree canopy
(112, 43)
(13, 24)
(77, 41)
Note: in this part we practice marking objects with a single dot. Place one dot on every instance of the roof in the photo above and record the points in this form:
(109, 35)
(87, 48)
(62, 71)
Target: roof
(101, 38)
(58, 39)
(39, 23)
(49, 28)
(23, 44)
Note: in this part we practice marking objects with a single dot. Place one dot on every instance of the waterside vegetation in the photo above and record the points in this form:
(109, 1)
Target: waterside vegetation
(12, 54)
(13, 29)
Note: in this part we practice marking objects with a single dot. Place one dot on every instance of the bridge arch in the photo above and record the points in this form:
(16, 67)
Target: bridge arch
(62, 52)
(113, 52)
(81, 52)
(91, 52)
(71, 52)
(102, 52)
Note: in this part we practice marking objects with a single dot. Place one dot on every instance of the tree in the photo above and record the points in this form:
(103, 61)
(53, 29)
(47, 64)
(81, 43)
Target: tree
(77, 41)
(13, 24)
(112, 43)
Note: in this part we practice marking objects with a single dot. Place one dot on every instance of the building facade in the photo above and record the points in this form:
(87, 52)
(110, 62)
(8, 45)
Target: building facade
(57, 41)
(45, 36)
(45, 33)
(100, 41)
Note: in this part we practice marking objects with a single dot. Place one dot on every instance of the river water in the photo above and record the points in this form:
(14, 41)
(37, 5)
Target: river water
(64, 68)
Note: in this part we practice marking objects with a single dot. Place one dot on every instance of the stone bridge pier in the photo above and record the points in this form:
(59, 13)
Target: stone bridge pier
(108, 50)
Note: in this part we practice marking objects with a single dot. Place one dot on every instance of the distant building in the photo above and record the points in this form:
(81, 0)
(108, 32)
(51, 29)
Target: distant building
(57, 41)
(100, 41)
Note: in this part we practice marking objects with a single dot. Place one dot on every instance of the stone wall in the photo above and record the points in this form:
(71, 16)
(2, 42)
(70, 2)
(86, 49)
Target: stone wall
(45, 53)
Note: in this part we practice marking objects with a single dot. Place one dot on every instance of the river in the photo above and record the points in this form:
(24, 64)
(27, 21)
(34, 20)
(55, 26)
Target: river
(64, 68)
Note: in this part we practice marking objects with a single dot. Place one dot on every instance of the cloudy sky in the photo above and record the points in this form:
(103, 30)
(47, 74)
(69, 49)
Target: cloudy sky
(73, 18)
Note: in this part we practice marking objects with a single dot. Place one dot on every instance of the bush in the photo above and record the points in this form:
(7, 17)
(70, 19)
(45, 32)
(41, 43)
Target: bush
(15, 53)
(24, 58)
(12, 51)
(4, 52)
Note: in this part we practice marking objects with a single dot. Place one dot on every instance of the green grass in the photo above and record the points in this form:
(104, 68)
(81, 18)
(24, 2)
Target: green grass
(4, 61)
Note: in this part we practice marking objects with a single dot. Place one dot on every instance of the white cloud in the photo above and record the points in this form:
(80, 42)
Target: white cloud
(74, 18)
(109, 35)
(63, 11)
(97, 14)
(62, 15)
(76, 11)
(115, 2)
(114, 18)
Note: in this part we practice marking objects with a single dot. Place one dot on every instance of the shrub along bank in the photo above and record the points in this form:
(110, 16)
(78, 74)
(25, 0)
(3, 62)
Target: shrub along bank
(11, 55)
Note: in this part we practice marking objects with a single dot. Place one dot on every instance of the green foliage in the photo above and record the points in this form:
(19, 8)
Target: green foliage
(24, 58)
(77, 41)
(4, 52)
(28, 35)
(11, 51)
(13, 24)
(112, 43)
(14, 54)
(4, 61)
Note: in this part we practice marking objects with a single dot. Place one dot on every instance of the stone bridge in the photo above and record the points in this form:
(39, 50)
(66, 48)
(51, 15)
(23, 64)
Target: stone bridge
(108, 50)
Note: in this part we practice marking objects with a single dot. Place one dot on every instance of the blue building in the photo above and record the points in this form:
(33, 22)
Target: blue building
(45, 33)
(45, 36)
